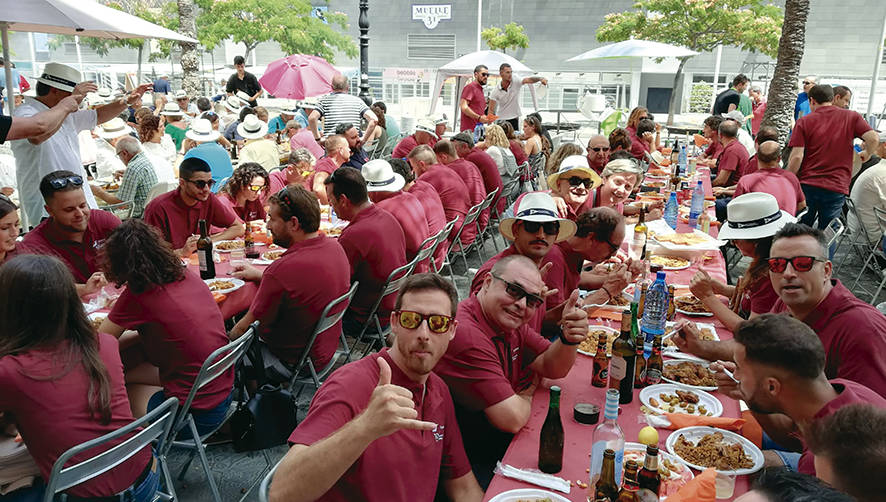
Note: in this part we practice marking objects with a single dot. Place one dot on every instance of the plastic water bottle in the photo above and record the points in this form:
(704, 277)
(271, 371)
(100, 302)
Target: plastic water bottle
(655, 311)
(608, 436)
(697, 205)
(333, 218)
(670, 212)
(478, 132)
(682, 160)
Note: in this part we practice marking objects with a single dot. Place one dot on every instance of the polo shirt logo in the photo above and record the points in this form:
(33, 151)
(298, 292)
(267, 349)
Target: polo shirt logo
(438, 432)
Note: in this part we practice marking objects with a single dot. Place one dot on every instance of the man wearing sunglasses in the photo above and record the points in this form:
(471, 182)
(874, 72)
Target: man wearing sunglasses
(73, 233)
(473, 101)
(176, 213)
(853, 332)
(493, 365)
(572, 186)
(384, 427)
(801, 106)
(598, 152)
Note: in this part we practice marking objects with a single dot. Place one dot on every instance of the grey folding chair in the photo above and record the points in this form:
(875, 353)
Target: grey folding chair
(483, 230)
(876, 253)
(442, 237)
(332, 313)
(154, 426)
(456, 246)
(122, 210)
(219, 362)
(832, 233)
(265, 488)
(859, 239)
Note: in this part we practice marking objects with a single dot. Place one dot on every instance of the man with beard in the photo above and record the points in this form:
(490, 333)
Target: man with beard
(73, 233)
(780, 366)
(296, 288)
(473, 101)
(383, 427)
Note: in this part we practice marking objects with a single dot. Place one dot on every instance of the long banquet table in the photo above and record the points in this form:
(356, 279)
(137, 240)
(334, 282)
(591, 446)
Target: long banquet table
(576, 388)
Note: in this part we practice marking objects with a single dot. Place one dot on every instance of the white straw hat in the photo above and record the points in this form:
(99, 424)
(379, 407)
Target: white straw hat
(575, 165)
(113, 128)
(252, 127)
(60, 76)
(753, 215)
(233, 104)
(180, 94)
(427, 125)
(201, 131)
(380, 177)
(171, 109)
(539, 207)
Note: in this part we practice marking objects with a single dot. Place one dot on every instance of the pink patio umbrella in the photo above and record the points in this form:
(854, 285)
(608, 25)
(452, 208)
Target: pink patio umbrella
(298, 76)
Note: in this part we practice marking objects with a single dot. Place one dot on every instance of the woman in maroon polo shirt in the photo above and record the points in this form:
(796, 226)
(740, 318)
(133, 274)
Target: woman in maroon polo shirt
(9, 228)
(178, 322)
(245, 191)
(63, 384)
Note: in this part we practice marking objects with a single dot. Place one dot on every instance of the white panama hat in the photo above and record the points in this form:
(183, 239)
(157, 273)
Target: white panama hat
(252, 127)
(380, 177)
(233, 104)
(575, 165)
(60, 76)
(753, 215)
(113, 128)
(201, 131)
(171, 109)
(427, 125)
(539, 207)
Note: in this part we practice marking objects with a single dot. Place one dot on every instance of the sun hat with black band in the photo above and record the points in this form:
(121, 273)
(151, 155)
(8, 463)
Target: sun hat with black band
(201, 131)
(252, 127)
(60, 76)
(233, 104)
(380, 177)
(575, 165)
(171, 109)
(426, 125)
(538, 207)
(753, 215)
(113, 128)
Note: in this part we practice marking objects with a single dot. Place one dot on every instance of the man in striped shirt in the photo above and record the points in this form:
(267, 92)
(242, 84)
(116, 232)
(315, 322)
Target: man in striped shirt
(138, 178)
(340, 107)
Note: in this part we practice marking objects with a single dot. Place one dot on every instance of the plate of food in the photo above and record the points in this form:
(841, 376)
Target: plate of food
(224, 286)
(228, 246)
(674, 473)
(588, 346)
(689, 374)
(97, 318)
(672, 398)
(707, 332)
(691, 306)
(670, 262)
(701, 447)
(272, 255)
(528, 495)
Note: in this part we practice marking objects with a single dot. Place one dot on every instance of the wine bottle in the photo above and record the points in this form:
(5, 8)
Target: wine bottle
(204, 253)
(249, 242)
(550, 442)
(624, 358)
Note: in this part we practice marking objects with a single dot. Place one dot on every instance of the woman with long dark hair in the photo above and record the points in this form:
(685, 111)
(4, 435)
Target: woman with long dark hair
(10, 226)
(245, 191)
(177, 321)
(61, 383)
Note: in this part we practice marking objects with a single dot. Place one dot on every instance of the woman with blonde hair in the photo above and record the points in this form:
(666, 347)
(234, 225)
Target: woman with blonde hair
(515, 144)
(619, 179)
(498, 147)
(564, 150)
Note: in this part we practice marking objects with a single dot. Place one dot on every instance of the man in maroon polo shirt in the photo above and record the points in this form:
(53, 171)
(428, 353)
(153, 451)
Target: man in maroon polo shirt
(598, 152)
(467, 171)
(383, 428)
(771, 178)
(464, 147)
(853, 332)
(452, 190)
(300, 161)
(425, 134)
(473, 101)
(733, 160)
(373, 242)
(176, 213)
(495, 361)
(295, 289)
(73, 233)
(385, 189)
(430, 202)
(780, 364)
(337, 153)
(821, 154)
(711, 132)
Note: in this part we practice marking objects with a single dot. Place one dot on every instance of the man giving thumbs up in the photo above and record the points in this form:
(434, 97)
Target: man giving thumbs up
(383, 428)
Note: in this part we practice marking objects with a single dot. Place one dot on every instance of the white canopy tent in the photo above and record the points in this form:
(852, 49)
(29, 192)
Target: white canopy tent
(463, 69)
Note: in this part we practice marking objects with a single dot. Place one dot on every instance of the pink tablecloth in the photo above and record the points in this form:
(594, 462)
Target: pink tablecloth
(576, 387)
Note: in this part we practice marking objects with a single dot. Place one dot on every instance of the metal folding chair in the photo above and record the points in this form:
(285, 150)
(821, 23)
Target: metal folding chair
(456, 246)
(442, 237)
(832, 233)
(482, 232)
(219, 362)
(876, 253)
(859, 238)
(332, 313)
(155, 426)
(122, 210)
(265, 488)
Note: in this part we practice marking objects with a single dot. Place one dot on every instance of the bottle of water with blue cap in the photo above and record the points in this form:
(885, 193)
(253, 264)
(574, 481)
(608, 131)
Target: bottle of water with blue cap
(697, 205)
(655, 311)
(608, 436)
(670, 211)
(682, 160)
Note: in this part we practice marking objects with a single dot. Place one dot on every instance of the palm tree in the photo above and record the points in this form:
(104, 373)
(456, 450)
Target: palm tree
(783, 88)
(190, 59)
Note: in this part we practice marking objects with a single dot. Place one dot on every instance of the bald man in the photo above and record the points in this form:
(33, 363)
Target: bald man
(598, 152)
(771, 178)
(339, 107)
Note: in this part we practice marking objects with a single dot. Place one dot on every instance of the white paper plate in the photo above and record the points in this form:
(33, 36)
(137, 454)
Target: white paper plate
(242, 248)
(672, 362)
(682, 267)
(270, 260)
(591, 328)
(237, 284)
(98, 315)
(695, 433)
(617, 308)
(527, 494)
(692, 314)
(674, 352)
(711, 403)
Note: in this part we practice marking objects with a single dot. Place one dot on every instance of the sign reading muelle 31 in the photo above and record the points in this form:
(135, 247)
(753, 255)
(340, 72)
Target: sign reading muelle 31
(431, 15)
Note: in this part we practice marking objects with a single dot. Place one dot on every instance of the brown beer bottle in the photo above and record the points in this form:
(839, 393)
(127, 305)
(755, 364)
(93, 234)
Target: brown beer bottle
(204, 253)
(643, 290)
(640, 364)
(606, 489)
(630, 487)
(672, 307)
(550, 442)
(601, 363)
(648, 478)
(655, 364)
(249, 243)
(624, 357)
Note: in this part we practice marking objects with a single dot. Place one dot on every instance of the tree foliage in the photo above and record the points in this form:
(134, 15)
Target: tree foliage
(512, 37)
(287, 22)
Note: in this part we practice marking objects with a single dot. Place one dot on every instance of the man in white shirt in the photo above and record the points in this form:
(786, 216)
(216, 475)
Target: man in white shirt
(57, 150)
(868, 192)
(504, 100)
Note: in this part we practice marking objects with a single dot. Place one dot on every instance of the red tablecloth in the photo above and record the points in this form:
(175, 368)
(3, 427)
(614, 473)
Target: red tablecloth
(576, 387)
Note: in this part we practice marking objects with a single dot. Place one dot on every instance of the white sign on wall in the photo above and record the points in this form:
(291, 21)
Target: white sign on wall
(431, 15)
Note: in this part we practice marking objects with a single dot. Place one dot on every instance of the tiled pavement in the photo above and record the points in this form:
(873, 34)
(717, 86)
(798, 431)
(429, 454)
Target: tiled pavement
(234, 472)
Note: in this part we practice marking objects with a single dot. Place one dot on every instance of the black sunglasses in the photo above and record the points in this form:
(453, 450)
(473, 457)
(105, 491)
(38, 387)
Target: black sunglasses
(437, 323)
(800, 263)
(577, 180)
(806, 82)
(59, 183)
(550, 227)
(201, 184)
(517, 292)
(599, 148)
(484, 74)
